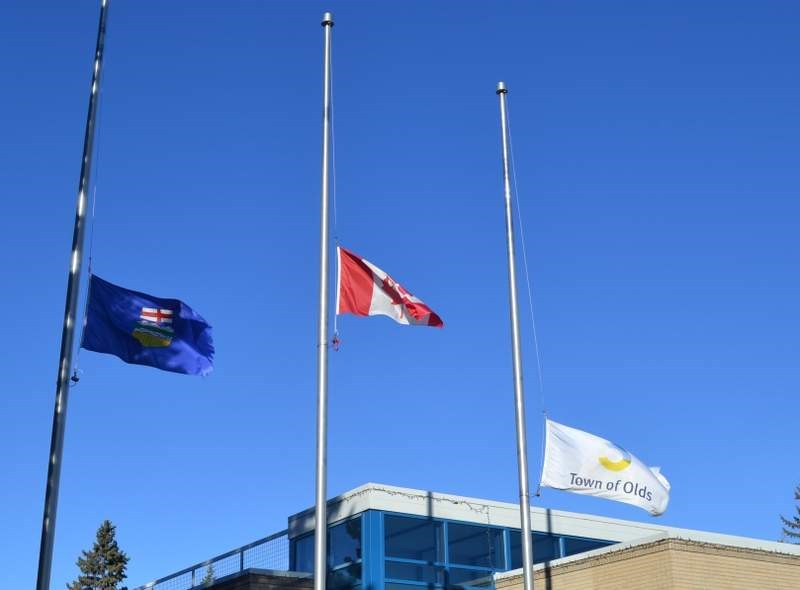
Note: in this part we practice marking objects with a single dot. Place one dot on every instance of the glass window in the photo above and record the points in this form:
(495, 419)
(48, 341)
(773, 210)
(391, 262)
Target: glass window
(344, 546)
(414, 571)
(344, 542)
(573, 545)
(475, 545)
(345, 577)
(304, 554)
(464, 578)
(413, 538)
(545, 548)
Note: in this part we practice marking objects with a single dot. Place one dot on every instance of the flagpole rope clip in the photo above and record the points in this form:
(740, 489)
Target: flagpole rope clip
(75, 377)
(336, 342)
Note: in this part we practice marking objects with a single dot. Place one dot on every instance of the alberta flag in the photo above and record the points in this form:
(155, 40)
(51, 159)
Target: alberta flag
(144, 330)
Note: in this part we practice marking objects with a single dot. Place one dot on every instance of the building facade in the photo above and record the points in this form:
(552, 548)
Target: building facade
(383, 537)
(666, 562)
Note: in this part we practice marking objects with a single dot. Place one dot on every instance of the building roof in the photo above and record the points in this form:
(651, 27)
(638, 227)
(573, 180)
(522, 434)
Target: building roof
(374, 496)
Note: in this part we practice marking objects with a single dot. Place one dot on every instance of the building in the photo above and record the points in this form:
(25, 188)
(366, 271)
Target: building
(382, 537)
(669, 562)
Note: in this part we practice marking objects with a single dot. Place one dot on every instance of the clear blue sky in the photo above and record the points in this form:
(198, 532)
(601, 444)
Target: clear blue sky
(657, 155)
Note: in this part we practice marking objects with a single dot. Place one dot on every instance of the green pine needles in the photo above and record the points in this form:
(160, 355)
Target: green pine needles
(102, 568)
(210, 575)
(791, 526)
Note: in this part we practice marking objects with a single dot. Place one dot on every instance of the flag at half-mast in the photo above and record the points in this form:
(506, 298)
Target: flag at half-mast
(584, 463)
(364, 289)
(144, 330)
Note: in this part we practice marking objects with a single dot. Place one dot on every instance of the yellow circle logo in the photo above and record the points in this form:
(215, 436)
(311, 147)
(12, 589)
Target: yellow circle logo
(620, 464)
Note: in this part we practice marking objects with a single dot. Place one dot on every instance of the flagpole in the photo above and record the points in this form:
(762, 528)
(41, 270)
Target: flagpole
(321, 519)
(68, 330)
(519, 394)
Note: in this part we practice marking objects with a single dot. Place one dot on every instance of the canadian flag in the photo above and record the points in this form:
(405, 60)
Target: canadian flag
(364, 289)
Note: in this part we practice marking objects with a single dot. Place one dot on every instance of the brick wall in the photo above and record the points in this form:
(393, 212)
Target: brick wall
(669, 564)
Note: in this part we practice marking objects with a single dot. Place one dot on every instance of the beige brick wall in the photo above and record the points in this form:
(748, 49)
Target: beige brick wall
(701, 567)
(669, 564)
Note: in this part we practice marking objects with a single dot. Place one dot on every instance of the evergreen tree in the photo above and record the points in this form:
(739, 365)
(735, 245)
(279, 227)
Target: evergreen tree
(209, 577)
(102, 568)
(791, 526)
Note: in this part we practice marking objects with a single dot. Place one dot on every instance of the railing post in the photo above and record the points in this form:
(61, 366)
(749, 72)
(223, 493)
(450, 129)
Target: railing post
(241, 561)
(192, 577)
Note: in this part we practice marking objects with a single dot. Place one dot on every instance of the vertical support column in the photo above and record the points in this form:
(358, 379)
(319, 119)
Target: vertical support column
(507, 549)
(372, 555)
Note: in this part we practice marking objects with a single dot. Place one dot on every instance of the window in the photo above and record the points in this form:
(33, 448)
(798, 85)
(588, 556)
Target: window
(346, 576)
(573, 545)
(344, 555)
(545, 548)
(413, 538)
(304, 554)
(415, 553)
(429, 574)
(480, 546)
(344, 542)
(432, 554)
(464, 578)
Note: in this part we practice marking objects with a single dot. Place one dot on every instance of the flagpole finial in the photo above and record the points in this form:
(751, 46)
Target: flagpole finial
(501, 88)
(327, 19)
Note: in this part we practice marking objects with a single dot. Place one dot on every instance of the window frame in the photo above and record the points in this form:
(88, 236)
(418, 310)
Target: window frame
(332, 568)
(445, 564)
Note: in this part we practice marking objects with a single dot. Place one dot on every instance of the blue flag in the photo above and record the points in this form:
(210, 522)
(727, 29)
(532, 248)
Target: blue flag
(146, 330)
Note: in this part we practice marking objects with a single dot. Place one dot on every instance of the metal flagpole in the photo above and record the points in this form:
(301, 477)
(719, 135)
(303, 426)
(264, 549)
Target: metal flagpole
(519, 394)
(68, 331)
(321, 528)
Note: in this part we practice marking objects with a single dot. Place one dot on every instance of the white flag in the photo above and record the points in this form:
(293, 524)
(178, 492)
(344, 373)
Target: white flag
(583, 463)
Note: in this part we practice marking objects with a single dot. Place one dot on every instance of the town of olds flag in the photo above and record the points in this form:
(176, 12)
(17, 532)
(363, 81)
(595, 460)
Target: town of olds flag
(144, 330)
(584, 463)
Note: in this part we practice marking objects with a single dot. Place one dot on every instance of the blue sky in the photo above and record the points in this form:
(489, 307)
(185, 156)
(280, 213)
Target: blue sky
(657, 160)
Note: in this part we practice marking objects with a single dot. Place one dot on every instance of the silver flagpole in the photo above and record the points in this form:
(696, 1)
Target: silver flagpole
(68, 330)
(321, 529)
(519, 394)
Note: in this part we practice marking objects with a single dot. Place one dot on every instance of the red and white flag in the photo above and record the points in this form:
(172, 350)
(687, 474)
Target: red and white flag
(364, 289)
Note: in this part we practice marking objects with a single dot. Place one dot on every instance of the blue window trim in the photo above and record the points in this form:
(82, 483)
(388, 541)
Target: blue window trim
(445, 564)
(414, 561)
(446, 542)
(507, 546)
(475, 568)
(593, 539)
(373, 549)
(410, 583)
